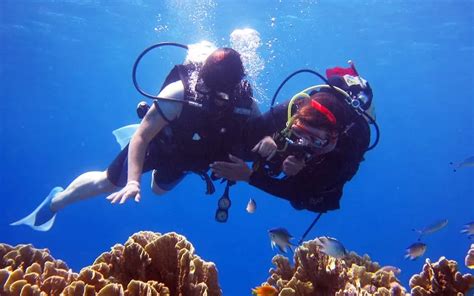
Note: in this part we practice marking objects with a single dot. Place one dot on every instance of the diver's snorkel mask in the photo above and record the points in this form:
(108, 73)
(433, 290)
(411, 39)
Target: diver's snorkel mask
(304, 144)
(305, 138)
(218, 100)
(221, 93)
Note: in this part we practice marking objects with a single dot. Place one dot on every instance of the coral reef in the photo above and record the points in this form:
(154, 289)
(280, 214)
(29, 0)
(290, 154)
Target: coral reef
(441, 278)
(148, 264)
(151, 264)
(315, 273)
(25, 270)
(469, 261)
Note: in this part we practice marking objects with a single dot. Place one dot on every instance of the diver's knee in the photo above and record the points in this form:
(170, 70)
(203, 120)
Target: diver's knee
(157, 189)
(104, 183)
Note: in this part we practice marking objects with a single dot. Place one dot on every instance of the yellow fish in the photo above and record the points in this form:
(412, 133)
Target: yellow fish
(265, 291)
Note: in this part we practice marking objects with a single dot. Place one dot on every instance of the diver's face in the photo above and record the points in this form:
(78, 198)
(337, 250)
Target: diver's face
(222, 96)
(222, 86)
(220, 79)
(320, 140)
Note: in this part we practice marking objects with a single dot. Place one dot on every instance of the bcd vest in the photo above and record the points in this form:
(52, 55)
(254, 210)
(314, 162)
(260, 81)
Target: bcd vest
(204, 134)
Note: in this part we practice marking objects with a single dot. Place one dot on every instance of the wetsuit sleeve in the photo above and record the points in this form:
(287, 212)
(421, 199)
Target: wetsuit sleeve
(264, 125)
(278, 187)
(298, 193)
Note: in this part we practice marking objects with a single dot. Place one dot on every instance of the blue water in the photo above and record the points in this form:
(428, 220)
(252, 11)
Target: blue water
(65, 69)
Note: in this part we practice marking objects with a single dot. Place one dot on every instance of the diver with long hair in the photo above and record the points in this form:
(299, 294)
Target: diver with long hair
(175, 137)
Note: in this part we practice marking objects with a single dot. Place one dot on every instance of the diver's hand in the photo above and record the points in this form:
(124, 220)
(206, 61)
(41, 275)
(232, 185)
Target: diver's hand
(266, 148)
(292, 165)
(236, 170)
(131, 190)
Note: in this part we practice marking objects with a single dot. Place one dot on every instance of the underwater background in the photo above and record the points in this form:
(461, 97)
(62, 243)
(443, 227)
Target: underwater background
(65, 84)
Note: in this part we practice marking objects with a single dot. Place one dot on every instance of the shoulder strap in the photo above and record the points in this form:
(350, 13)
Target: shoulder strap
(172, 76)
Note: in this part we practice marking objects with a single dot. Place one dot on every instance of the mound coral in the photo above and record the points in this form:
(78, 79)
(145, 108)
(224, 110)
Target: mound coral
(441, 278)
(148, 264)
(469, 261)
(29, 271)
(315, 273)
(151, 264)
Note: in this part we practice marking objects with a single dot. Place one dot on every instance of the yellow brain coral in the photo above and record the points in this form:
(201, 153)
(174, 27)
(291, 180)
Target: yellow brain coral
(148, 264)
(441, 278)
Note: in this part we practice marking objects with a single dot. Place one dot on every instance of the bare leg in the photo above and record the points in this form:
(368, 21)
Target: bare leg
(85, 186)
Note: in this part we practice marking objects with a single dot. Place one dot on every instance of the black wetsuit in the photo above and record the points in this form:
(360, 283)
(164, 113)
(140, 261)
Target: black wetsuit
(199, 136)
(318, 186)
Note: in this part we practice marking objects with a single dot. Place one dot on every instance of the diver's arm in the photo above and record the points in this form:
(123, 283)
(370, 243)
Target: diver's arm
(151, 125)
(259, 127)
(283, 188)
(300, 196)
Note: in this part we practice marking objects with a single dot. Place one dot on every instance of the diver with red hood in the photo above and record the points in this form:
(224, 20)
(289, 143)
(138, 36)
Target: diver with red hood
(311, 145)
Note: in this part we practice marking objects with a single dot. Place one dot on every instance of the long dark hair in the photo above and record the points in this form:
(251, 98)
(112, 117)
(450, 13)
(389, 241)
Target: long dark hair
(223, 69)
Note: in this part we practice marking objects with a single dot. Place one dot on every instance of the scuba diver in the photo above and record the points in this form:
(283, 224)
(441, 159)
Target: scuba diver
(316, 141)
(183, 131)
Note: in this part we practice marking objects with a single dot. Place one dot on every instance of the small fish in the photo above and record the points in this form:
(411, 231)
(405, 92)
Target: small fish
(469, 261)
(291, 17)
(331, 246)
(280, 237)
(389, 268)
(469, 230)
(265, 291)
(415, 250)
(251, 206)
(468, 162)
(431, 228)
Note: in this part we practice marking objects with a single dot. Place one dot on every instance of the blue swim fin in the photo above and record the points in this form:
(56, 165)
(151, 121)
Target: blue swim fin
(124, 134)
(42, 218)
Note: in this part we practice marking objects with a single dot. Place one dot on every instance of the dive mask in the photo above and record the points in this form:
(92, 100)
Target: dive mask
(222, 94)
(304, 137)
